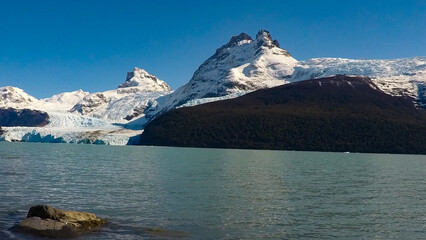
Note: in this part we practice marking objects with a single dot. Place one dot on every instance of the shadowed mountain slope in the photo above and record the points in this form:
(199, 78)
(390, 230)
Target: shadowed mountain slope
(10, 117)
(338, 113)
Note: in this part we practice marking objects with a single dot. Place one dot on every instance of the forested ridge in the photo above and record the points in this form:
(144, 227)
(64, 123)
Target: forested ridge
(339, 113)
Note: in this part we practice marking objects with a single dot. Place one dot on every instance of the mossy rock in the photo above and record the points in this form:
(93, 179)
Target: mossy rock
(44, 220)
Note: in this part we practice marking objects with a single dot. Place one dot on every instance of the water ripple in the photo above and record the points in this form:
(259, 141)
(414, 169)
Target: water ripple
(167, 193)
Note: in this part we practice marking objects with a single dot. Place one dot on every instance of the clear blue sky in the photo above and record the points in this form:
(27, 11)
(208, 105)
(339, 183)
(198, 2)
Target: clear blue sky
(48, 47)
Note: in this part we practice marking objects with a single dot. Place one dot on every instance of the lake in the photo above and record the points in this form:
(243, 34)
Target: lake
(217, 193)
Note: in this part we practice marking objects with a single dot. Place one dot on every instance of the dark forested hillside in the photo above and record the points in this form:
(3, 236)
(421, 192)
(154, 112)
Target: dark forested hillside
(10, 117)
(339, 113)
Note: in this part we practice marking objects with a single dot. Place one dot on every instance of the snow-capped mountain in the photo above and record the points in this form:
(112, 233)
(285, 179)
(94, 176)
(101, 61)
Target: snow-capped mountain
(398, 77)
(243, 65)
(142, 79)
(240, 66)
(67, 97)
(62, 102)
(15, 98)
(126, 102)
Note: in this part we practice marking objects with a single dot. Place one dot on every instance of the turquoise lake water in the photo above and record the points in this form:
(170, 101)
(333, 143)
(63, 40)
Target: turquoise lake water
(217, 193)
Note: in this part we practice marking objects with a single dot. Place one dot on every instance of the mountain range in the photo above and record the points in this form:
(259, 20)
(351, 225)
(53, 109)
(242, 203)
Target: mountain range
(238, 67)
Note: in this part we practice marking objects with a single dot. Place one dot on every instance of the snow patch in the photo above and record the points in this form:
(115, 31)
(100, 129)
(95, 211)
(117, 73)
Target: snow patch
(398, 77)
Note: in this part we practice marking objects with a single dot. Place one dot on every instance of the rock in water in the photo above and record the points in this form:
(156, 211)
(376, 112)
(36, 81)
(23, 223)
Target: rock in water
(48, 221)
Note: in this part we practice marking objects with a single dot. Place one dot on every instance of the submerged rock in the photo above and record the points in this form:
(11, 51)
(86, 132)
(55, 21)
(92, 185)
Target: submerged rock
(48, 221)
(165, 233)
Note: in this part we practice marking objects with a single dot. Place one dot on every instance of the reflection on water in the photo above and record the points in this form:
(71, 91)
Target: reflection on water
(217, 194)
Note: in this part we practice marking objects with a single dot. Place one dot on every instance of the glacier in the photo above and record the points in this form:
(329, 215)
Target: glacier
(72, 128)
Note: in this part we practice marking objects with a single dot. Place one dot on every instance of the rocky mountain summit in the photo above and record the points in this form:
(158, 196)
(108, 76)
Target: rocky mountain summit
(239, 66)
(142, 79)
(126, 102)
(15, 97)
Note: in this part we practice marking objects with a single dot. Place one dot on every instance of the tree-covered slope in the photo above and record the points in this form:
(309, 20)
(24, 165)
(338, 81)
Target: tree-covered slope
(339, 113)
(10, 117)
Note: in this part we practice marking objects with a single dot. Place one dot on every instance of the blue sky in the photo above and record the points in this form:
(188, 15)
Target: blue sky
(48, 47)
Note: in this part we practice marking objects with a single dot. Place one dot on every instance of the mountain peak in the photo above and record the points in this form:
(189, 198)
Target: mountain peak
(239, 66)
(141, 78)
(263, 38)
(15, 97)
(140, 70)
(238, 40)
